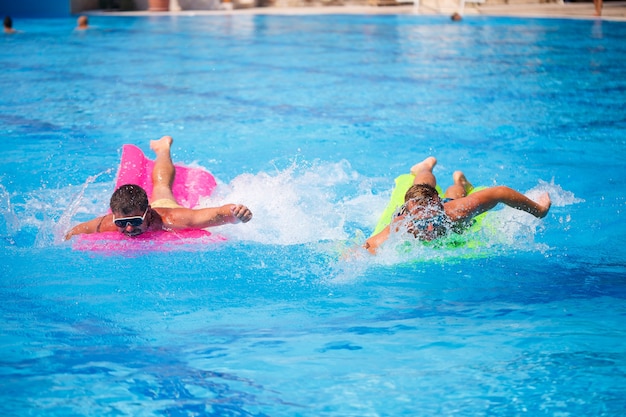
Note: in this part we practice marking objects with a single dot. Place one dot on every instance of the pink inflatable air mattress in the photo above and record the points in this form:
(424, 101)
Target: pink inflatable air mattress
(190, 184)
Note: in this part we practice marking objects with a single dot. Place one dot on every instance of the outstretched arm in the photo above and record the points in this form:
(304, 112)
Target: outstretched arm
(375, 241)
(97, 225)
(474, 204)
(207, 217)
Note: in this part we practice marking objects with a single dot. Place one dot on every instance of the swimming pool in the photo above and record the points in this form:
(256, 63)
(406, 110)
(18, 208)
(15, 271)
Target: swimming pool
(307, 120)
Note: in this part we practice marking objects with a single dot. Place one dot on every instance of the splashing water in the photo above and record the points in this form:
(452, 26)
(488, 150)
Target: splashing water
(504, 230)
(301, 204)
(65, 221)
(10, 223)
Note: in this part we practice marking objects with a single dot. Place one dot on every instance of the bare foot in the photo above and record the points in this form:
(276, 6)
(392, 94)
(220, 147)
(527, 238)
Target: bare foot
(459, 179)
(426, 165)
(544, 202)
(162, 144)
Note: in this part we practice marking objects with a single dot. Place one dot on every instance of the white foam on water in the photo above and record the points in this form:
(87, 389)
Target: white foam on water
(518, 229)
(300, 204)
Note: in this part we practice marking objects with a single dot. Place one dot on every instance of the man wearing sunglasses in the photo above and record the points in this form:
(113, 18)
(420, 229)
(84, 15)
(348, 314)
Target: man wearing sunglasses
(427, 217)
(132, 214)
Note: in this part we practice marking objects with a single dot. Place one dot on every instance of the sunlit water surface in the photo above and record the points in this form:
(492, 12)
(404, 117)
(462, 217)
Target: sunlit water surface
(307, 120)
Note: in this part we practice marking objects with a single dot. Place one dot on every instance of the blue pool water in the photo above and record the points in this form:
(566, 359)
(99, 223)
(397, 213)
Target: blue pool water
(308, 120)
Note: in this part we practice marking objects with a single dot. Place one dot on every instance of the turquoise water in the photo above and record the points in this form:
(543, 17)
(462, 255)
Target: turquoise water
(307, 120)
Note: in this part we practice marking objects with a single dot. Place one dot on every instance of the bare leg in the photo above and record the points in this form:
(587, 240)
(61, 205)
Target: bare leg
(164, 171)
(460, 188)
(423, 172)
(598, 6)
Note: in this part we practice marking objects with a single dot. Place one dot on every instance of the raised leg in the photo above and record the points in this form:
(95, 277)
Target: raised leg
(598, 7)
(423, 172)
(460, 188)
(164, 171)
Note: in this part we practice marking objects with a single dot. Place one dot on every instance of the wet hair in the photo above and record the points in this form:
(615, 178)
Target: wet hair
(129, 198)
(422, 194)
(8, 23)
(430, 213)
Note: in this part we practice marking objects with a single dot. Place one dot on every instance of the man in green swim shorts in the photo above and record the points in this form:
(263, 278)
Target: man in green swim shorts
(132, 214)
(427, 217)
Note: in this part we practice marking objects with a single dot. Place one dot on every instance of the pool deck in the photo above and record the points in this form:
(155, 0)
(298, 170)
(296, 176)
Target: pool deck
(611, 11)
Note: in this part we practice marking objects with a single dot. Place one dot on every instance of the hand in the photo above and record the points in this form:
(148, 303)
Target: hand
(544, 204)
(241, 213)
